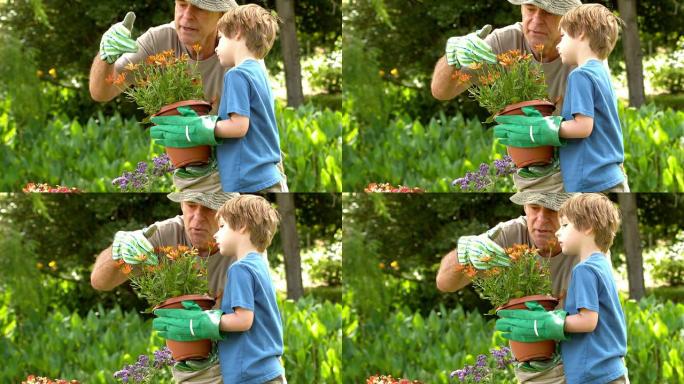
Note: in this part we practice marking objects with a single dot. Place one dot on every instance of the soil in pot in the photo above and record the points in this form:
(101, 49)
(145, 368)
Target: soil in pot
(540, 350)
(181, 157)
(523, 157)
(188, 350)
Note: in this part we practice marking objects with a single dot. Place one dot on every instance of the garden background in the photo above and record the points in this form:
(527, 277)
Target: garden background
(400, 324)
(51, 131)
(399, 133)
(54, 324)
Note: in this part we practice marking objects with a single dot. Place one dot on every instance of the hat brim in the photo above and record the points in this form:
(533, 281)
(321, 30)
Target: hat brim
(552, 201)
(210, 200)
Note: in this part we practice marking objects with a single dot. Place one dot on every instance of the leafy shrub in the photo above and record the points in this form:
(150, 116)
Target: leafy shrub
(670, 74)
(670, 268)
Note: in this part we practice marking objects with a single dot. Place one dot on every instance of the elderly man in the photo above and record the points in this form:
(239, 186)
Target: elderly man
(539, 27)
(195, 22)
(195, 227)
(536, 228)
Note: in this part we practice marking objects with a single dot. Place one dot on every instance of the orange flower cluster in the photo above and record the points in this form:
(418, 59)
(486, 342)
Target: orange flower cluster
(468, 270)
(163, 59)
(387, 187)
(382, 379)
(46, 188)
(33, 379)
(489, 78)
(174, 253)
(461, 76)
(511, 57)
(519, 250)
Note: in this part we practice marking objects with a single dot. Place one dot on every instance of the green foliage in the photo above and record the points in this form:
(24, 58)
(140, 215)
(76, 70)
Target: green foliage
(312, 148)
(670, 74)
(179, 272)
(312, 339)
(408, 152)
(163, 79)
(529, 274)
(428, 347)
(516, 77)
(327, 269)
(670, 268)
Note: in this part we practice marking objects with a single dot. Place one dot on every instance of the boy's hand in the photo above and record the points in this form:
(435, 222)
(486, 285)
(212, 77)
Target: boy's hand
(117, 40)
(462, 51)
(133, 247)
(481, 252)
(534, 325)
(186, 130)
(528, 130)
(189, 324)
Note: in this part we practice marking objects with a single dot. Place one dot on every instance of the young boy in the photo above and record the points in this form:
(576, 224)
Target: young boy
(591, 160)
(594, 352)
(253, 343)
(249, 155)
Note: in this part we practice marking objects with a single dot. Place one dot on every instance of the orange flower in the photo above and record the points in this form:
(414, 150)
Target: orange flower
(126, 269)
(118, 80)
(539, 48)
(461, 76)
(475, 66)
(460, 268)
(132, 67)
(470, 271)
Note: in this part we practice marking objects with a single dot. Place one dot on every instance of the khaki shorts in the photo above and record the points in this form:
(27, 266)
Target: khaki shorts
(552, 183)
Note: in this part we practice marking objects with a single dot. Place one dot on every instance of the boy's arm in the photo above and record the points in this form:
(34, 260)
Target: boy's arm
(583, 322)
(235, 127)
(578, 128)
(239, 321)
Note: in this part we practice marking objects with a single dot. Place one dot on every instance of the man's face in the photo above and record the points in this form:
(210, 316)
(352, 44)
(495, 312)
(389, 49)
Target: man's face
(542, 224)
(194, 25)
(200, 223)
(539, 26)
(569, 237)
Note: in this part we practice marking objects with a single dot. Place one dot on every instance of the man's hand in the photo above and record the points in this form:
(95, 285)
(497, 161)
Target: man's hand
(186, 130)
(534, 325)
(117, 40)
(133, 247)
(462, 51)
(189, 324)
(528, 130)
(481, 252)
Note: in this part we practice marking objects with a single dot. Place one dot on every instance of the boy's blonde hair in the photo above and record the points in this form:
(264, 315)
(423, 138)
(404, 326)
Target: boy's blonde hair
(254, 213)
(596, 212)
(597, 23)
(255, 24)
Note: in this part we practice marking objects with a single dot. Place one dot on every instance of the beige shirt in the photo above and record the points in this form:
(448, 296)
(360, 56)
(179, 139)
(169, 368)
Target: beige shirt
(515, 232)
(164, 37)
(555, 72)
(171, 232)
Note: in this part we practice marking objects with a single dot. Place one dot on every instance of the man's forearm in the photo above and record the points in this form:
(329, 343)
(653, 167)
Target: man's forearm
(443, 86)
(106, 274)
(448, 278)
(100, 90)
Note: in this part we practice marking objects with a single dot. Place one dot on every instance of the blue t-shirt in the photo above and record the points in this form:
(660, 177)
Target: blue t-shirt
(595, 357)
(252, 356)
(592, 164)
(249, 164)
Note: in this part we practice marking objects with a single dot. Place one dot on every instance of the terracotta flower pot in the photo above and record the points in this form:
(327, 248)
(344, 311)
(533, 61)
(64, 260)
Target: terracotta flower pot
(181, 157)
(523, 157)
(188, 350)
(540, 350)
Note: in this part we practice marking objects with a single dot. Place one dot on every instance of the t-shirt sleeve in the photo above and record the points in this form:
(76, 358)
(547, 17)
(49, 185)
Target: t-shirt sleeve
(585, 289)
(580, 95)
(240, 287)
(236, 90)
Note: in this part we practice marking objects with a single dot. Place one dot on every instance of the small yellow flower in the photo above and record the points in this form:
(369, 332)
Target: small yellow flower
(39, 73)
(394, 72)
(39, 265)
(381, 265)
(52, 265)
(394, 264)
(132, 67)
(53, 72)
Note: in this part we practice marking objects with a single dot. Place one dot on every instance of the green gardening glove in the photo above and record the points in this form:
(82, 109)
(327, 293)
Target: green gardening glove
(462, 51)
(133, 247)
(537, 324)
(117, 40)
(481, 251)
(528, 130)
(187, 130)
(189, 324)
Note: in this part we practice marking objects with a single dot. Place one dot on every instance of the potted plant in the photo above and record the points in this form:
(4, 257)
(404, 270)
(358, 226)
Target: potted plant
(161, 84)
(527, 278)
(180, 275)
(504, 88)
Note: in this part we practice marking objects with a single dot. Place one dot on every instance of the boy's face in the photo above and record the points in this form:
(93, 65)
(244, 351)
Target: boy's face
(226, 49)
(568, 48)
(569, 237)
(227, 239)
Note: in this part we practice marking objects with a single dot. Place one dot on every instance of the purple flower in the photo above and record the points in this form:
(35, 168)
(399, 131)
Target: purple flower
(481, 361)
